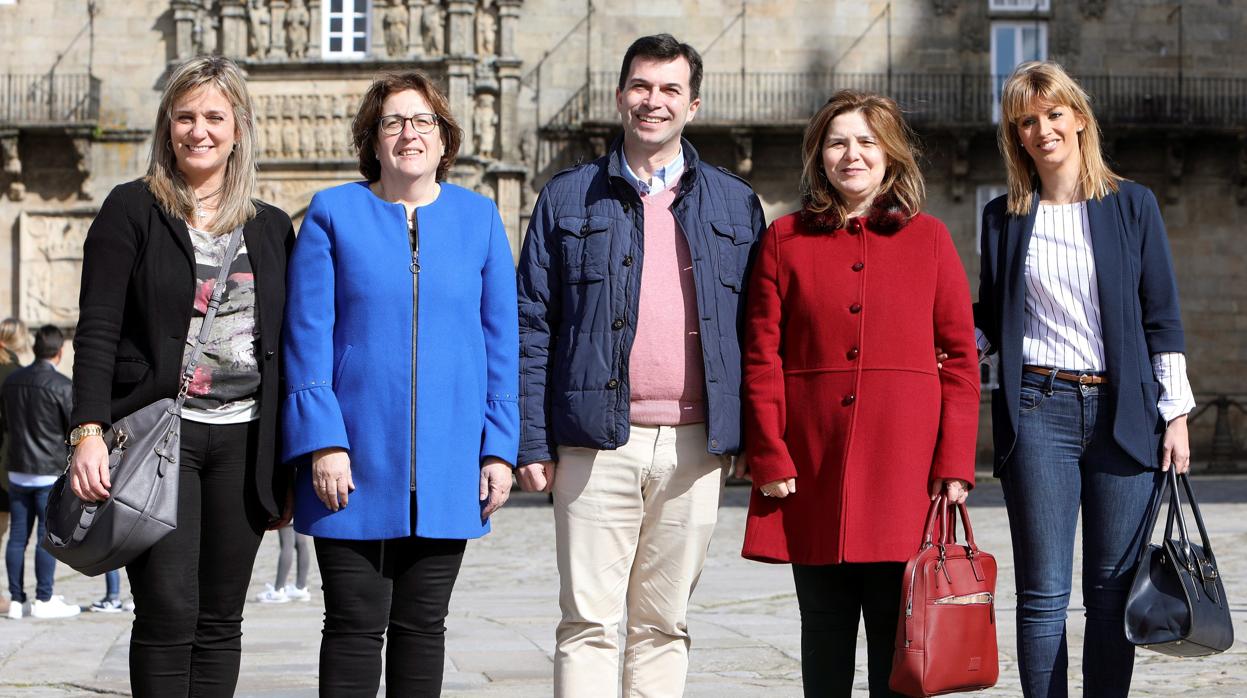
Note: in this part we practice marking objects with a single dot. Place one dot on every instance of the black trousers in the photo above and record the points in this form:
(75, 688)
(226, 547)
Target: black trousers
(378, 590)
(832, 597)
(189, 589)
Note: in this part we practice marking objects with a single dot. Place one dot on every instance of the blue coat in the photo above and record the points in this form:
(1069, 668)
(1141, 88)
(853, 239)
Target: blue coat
(350, 344)
(1138, 312)
(579, 287)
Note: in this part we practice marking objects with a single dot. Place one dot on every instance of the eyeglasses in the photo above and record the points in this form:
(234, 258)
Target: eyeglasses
(392, 124)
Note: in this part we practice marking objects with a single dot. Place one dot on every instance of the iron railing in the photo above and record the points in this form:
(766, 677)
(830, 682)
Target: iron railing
(959, 99)
(50, 100)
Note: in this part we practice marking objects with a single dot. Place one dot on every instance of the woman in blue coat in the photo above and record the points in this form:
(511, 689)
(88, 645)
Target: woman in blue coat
(1078, 295)
(402, 379)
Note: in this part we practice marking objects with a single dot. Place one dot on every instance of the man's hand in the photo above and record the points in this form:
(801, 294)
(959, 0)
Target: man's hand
(741, 471)
(536, 477)
(331, 477)
(1177, 446)
(496, 482)
(780, 488)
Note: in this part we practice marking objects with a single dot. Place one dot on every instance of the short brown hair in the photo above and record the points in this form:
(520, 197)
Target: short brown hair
(1047, 83)
(364, 128)
(902, 181)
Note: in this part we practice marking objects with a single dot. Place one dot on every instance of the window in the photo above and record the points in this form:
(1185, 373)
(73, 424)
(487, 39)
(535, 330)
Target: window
(982, 196)
(344, 29)
(1014, 43)
(1018, 5)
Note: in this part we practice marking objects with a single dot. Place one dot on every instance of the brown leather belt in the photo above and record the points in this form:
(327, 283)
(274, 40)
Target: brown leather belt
(1079, 378)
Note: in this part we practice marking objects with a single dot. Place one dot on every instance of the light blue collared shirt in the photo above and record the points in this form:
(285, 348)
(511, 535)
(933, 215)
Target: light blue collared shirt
(664, 177)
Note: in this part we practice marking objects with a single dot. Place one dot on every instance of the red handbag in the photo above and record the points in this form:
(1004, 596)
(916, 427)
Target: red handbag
(946, 635)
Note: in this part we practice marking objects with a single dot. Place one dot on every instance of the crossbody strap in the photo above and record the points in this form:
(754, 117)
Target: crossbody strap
(214, 304)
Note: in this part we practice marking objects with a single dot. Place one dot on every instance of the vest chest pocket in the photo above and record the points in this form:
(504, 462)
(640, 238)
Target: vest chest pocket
(732, 246)
(586, 248)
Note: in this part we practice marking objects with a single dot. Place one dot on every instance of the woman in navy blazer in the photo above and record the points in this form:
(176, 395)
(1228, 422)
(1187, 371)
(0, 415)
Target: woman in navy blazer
(402, 356)
(1077, 295)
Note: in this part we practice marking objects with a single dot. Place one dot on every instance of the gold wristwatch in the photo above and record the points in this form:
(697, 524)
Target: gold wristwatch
(82, 431)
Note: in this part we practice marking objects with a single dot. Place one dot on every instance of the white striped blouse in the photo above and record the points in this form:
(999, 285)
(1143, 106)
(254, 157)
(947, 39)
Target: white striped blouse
(1062, 325)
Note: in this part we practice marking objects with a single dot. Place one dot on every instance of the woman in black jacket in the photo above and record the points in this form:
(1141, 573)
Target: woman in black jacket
(150, 263)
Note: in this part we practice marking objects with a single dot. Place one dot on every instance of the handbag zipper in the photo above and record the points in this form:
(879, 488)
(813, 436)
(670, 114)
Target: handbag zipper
(413, 232)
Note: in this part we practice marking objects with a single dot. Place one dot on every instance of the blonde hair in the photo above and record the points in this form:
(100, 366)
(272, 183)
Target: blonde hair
(13, 336)
(163, 178)
(1047, 82)
(902, 180)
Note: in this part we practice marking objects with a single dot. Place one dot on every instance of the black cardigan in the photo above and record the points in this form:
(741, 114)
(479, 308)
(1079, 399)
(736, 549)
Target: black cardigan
(138, 286)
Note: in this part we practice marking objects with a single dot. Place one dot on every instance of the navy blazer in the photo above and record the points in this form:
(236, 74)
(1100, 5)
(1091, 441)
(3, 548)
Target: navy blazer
(1138, 310)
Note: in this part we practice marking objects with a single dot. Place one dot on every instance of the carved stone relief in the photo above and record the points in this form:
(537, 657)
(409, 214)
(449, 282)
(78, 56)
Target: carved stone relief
(308, 127)
(486, 29)
(394, 25)
(50, 247)
(432, 29)
(297, 22)
(484, 126)
(1093, 9)
(259, 25)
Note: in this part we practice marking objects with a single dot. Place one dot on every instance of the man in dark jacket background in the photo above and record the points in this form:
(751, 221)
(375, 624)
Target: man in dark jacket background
(35, 402)
(630, 283)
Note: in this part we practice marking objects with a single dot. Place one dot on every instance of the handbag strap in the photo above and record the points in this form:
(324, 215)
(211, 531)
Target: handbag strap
(936, 515)
(1176, 512)
(214, 304)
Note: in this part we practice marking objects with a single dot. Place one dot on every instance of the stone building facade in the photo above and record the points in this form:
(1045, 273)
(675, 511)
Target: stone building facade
(532, 81)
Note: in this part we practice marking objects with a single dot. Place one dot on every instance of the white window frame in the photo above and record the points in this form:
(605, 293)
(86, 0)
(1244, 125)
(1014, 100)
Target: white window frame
(1017, 26)
(1019, 6)
(351, 9)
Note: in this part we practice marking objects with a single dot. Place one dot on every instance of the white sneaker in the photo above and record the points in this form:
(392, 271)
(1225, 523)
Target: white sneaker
(15, 610)
(54, 607)
(271, 595)
(295, 593)
(128, 606)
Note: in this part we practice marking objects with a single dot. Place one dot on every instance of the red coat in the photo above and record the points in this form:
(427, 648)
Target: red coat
(842, 391)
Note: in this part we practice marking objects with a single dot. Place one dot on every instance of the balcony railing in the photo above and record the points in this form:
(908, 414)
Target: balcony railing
(49, 100)
(789, 99)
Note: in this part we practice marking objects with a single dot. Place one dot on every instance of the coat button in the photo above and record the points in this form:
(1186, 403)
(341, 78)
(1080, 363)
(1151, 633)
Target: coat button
(855, 226)
(859, 266)
(714, 443)
(848, 400)
(612, 384)
(268, 354)
(617, 324)
(627, 261)
(855, 308)
(852, 353)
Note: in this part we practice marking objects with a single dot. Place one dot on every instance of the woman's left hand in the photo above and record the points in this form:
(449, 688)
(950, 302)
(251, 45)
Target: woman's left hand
(1177, 446)
(956, 490)
(496, 479)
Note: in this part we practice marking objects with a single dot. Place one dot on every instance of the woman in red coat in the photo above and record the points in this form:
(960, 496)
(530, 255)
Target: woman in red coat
(851, 427)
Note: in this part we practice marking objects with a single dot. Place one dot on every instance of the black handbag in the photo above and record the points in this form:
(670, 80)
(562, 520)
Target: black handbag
(1177, 604)
(144, 453)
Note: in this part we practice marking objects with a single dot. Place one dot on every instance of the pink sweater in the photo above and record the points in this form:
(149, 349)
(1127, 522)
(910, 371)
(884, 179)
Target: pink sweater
(665, 367)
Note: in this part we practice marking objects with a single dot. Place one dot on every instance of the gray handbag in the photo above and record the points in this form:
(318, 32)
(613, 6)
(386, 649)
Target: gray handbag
(144, 452)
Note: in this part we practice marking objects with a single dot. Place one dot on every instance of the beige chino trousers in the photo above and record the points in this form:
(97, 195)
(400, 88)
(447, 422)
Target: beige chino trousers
(633, 527)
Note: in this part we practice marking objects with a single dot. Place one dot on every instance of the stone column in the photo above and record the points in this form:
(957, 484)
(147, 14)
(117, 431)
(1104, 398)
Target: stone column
(508, 18)
(459, 92)
(376, 45)
(234, 29)
(461, 39)
(185, 13)
(508, 108)
(277, 49)
(508, 200)
(314, 30)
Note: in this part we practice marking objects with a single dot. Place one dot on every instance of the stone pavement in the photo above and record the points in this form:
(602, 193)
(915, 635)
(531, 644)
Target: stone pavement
(746, 633)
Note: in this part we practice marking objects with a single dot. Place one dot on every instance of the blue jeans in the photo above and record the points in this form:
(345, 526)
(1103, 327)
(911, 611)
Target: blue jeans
(112, 586)
(1065, 457)
(28, 504)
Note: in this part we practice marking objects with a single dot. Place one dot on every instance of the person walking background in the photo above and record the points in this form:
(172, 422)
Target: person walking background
(1078, 296)
(402, 406)
(150, 264)
(291, 545)
(35, 403)
(13, 336)
(851, 426)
